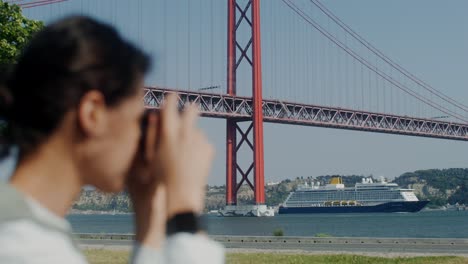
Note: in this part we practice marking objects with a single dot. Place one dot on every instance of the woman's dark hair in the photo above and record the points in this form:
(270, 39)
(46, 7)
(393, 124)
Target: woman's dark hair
(60, 64)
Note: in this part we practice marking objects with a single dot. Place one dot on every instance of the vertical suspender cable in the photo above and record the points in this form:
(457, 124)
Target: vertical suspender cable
(211, 43)
(307, 59)
(177, 53)
(362, 86)
(165, 51)
(200, 44)
(377, 84)
(388, 60)
(188, 44)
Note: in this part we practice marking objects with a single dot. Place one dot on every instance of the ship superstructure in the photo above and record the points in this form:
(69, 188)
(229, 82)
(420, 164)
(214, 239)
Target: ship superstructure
(366, 196)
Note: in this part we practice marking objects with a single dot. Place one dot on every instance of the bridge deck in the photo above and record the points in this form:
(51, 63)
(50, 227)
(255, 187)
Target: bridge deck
(276, 111)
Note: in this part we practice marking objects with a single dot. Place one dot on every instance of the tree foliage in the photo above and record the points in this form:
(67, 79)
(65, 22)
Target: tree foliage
(15, 32)
(451, 185)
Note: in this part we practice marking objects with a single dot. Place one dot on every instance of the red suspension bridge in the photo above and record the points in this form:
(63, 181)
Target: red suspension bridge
(317, 71)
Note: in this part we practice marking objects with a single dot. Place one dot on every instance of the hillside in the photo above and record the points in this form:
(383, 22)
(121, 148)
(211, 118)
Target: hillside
(97, 201)
(438, 186)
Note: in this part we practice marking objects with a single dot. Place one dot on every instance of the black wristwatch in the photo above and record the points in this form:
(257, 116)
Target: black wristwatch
(187, 222)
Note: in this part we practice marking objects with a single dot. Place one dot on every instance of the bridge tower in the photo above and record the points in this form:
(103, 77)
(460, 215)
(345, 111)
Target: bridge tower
(249, 54)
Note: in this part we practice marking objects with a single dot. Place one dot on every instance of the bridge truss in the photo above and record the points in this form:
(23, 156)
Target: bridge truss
(276, 111)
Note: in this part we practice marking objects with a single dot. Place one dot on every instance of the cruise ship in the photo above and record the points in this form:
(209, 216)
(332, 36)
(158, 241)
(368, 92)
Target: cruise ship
(365, 197)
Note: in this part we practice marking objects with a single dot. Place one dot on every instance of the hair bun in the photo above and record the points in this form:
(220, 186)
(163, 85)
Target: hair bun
(6, 102)
(6, 98)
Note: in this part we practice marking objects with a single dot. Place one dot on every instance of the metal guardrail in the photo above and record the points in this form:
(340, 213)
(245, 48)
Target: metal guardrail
(251, 240)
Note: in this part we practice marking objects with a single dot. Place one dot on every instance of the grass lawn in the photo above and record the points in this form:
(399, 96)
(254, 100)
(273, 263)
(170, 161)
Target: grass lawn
(121, 257)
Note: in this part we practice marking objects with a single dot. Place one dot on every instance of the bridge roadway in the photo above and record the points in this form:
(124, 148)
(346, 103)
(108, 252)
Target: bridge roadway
(309, 245)
(275, 111)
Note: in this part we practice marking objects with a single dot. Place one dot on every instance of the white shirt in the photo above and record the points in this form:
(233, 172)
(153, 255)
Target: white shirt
(28, 242)
(8, 164)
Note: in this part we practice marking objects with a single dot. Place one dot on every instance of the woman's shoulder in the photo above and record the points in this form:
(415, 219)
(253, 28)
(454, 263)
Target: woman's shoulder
(25, 241)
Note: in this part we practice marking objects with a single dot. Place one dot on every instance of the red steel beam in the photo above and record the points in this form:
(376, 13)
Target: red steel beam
(257, 105)
(231, 141)
(250, 55)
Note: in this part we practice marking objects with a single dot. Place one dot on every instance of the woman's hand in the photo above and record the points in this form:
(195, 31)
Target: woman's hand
(147, 191)
(170, 175)
(184, 158)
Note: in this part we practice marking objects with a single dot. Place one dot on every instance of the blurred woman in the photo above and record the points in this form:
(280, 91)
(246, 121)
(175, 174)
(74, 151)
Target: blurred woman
(73, 104)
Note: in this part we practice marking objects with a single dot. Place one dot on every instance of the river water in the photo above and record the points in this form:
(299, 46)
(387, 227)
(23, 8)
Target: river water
(428, 224)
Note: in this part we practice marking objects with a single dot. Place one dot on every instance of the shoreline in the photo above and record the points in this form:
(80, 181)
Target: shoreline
(93, 212)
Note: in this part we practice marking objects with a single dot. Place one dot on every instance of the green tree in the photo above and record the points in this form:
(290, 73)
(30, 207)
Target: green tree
(15, 32)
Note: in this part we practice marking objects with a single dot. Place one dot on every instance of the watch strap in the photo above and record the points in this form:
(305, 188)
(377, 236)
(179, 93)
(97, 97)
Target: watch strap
(187, 222)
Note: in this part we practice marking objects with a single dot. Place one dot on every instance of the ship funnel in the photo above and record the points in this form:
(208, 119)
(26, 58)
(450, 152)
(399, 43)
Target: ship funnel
(336, 180)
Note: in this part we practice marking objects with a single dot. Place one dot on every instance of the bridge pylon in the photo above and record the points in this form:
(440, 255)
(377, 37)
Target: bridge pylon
(251, 135)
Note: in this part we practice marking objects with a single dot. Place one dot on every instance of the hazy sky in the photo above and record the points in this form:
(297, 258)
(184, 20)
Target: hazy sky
(428, 37)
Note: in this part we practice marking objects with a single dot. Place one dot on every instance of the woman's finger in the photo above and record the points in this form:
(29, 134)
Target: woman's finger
(190, 117)
(170, 116)
(151, 135)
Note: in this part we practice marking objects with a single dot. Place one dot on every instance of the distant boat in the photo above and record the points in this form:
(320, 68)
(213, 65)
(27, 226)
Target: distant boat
(364, 197)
